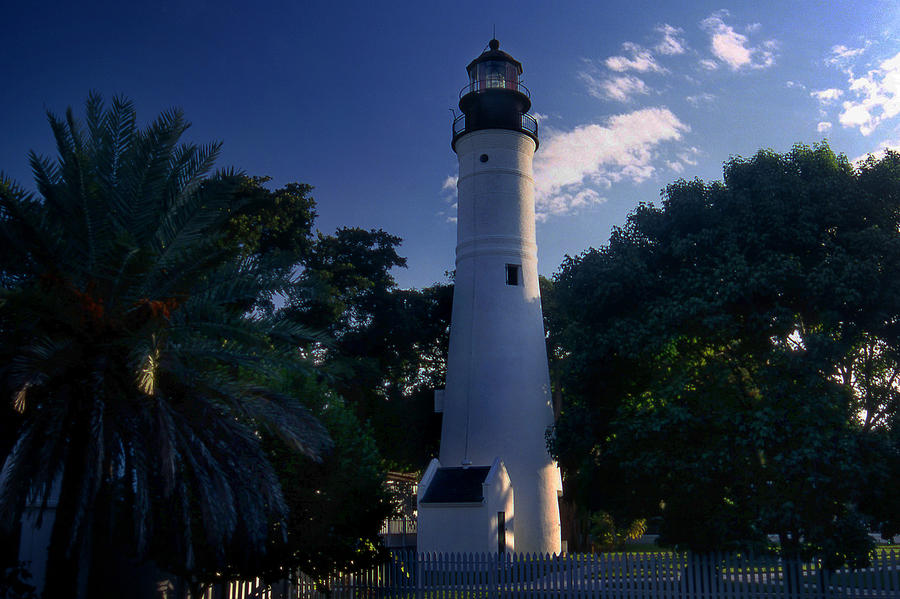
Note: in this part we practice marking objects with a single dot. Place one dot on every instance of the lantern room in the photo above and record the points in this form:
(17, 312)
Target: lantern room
(494, 69)
(494, 97)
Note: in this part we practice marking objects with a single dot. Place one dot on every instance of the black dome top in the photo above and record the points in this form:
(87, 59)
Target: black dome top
(495, 53)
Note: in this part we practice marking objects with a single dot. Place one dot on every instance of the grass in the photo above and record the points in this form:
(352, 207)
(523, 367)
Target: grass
(641, 548)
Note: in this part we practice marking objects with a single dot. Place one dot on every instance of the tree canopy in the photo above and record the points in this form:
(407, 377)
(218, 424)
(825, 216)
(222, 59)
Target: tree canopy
(141, 383)
(730, 357)
(214, 376)
(386, 348)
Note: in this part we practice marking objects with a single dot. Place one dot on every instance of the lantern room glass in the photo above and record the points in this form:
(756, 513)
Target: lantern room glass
(493, 74)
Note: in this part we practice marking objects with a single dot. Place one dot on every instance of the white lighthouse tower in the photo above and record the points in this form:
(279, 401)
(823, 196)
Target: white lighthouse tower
(495, 487)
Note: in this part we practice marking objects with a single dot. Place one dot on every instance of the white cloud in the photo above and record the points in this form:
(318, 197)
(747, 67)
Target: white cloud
(709, 64)
(640, 60)
(620, 87)
(448, 194)
(823, 126)
(572, 163)
(701, 98)
(733, 48)
(684, 159)
(841, 54)
(671, 43)
(827, 95)
(878, 153)
(567, 203)
(793, 84)
(687, 157)
(877, 97)
(675, 166)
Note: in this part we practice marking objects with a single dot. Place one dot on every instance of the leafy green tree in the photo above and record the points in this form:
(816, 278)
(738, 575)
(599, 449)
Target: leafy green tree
(275, 224)
(388, 345)
(405, 346)
(719, 350)
(141, 386)
(345, 278)
(336, 506)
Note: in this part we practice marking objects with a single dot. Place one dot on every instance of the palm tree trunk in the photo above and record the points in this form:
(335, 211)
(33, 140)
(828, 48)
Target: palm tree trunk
(69, 554)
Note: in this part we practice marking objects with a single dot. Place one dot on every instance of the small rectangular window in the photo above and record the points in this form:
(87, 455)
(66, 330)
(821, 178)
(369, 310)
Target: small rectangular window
(501, 532)
(512, 274)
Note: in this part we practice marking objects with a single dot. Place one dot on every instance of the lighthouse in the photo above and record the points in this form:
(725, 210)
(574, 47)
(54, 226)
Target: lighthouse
(494, 486)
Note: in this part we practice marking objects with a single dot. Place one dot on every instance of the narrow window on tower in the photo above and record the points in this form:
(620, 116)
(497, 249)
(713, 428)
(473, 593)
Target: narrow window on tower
(512, 274)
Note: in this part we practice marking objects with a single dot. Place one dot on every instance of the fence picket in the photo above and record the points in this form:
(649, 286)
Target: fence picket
(616, 578)
(603, 575)
(554, 571)
(892, 572)
(504, 575)
(868, 582)
(722, 575)
(531, 576)
(573, 565)
(521, 574)
(543, 576)
(659, 577)
(626, 576)
(558, 581)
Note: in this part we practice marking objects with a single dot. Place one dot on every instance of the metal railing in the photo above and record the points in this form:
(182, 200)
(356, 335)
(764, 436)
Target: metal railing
(528, 125)
(483, 85)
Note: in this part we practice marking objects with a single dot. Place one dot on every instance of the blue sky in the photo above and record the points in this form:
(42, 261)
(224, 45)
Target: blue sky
(354, 98)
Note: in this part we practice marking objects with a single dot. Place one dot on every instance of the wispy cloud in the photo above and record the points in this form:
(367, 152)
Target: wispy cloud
(689, 156)
(566, 203)
(701, 98)
(827, 95)
(841, 54)
(572, 164)
(448, 192)
(615, 77)
(639, 59)
(734, 48)
(684, 159)
(876, 97)
(823, 126)
(675, 166)
(621, 88)
(672, 43)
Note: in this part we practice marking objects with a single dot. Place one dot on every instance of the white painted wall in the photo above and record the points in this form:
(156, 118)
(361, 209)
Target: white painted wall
(466, 527)
(497, 399)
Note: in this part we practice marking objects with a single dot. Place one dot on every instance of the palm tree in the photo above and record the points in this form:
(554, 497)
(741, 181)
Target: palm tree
(142, 386)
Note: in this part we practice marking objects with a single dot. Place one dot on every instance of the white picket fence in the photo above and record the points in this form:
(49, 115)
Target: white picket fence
(408, 575)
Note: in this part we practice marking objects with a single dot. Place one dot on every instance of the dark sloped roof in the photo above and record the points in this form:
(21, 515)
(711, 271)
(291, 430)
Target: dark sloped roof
(495, 54)
(456, 485)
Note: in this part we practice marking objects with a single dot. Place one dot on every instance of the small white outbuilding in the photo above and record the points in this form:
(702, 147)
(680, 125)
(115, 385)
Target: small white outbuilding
(465, 509)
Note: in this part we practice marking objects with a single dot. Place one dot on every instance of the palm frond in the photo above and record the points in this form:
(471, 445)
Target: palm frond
(143, 384)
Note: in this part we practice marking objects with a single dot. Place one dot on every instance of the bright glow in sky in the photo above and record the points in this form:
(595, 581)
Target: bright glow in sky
(355, 97)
